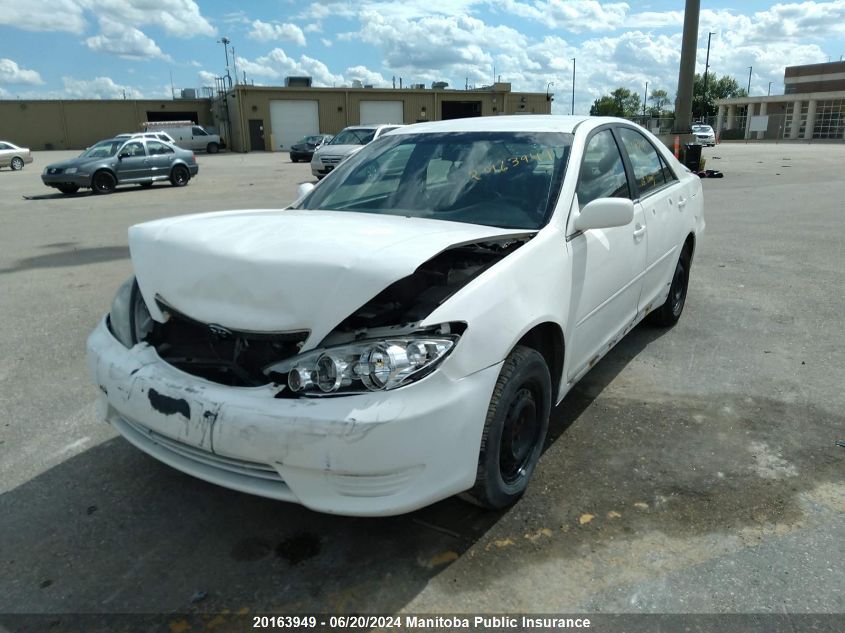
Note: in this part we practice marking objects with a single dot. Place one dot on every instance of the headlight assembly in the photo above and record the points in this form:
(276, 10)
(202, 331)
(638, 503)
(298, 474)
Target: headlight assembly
(71, 170)
(129, 319)
(373, 365)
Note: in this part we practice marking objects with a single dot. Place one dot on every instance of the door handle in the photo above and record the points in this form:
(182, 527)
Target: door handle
(682, 202)
(639, 231)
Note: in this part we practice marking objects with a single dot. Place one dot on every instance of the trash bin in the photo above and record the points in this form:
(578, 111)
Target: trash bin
(692, 156)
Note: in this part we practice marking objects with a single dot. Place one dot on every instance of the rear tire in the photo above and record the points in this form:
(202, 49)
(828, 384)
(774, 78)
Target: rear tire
(212, 148)
(180, 176)
(514, 430)
(16, 164)
(103, 182)
(671, 310)
(68, 189)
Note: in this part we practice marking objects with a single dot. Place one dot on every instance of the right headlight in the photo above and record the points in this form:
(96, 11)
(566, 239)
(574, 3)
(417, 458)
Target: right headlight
(129, 318)
(372, 365)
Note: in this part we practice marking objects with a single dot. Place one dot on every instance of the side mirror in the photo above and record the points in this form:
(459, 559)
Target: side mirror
(122, 155)
(303, 190)
(604, 213)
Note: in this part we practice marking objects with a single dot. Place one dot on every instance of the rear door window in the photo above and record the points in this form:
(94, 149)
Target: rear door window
(646, 162)
(157, 148)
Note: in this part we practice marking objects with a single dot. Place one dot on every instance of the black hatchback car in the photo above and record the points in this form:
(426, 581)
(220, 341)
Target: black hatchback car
(305, 148)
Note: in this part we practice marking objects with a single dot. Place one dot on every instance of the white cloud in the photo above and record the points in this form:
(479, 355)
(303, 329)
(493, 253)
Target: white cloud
(278, 65)
(11, 73)
(314, 27)
(365, 76)
(206, 77)
(98, 88)
(124, 41)
(44, 15)
(326, 42)
(266, 31)
(575, 16)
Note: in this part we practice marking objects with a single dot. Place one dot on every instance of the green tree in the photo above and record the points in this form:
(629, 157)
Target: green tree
(620, 102)
(725, 87)
(659, 99)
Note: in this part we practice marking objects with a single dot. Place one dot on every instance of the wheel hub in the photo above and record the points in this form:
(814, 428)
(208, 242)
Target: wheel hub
(519, 435)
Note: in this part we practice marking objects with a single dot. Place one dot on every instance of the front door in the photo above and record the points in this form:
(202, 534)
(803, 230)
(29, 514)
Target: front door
(256, 135)
(607, 264)
(132, 163)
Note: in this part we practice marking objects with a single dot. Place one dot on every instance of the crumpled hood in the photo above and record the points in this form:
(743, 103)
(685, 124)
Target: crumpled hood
(282, 270)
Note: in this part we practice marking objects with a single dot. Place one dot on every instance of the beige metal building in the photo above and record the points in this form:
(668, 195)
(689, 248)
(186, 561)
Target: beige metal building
(256, 118)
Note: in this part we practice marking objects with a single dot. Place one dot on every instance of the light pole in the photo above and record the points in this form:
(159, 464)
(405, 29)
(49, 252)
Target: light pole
(748, 91)
(769, 92)
(551, 83)
(706, 68)
(572, 111)
(645, 97)
(225, 41)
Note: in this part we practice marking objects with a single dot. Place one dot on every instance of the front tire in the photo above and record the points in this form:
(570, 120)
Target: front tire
(671, 310)
(514, 430)
(16, 164)
(103, 182)
(180, 176)
(212, 148)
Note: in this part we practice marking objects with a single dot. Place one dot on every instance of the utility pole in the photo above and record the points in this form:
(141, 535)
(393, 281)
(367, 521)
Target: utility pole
(573, 87)
(748, 90)
(706, 68)
(645, 97)
(686, 72)
(769, 92)
(235, 64)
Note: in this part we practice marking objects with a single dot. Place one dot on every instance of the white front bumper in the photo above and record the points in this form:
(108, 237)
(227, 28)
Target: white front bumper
(373, 454)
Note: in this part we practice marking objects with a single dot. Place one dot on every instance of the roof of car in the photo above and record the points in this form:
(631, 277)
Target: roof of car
(521, 122)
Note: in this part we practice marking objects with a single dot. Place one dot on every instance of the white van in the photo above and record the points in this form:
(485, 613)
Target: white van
(186, 134)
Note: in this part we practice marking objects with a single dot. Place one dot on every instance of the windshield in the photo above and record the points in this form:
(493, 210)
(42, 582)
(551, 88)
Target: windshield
(700, 128)
(103, 149)
(502, 179)
(353, 137)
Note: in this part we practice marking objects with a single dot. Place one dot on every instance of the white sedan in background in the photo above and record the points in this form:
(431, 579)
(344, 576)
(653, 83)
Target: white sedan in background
(704, 134)
(401, 333)
(13, 156)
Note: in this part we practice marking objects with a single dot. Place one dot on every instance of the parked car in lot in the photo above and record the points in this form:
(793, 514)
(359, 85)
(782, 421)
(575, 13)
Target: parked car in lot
(342, 146)
(119, 161)
(400, 333)
(187, 135)
(162, 136)
(13, 156)
(305, 148)
(704, 134)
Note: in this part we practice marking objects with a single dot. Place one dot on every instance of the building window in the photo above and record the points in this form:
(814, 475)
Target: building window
(830, 119)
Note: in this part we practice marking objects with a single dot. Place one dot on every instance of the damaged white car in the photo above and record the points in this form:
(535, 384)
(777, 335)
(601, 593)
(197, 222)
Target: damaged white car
(401, 333)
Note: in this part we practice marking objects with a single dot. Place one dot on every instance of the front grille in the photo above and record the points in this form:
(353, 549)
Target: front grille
(331, 160)
(222, 355)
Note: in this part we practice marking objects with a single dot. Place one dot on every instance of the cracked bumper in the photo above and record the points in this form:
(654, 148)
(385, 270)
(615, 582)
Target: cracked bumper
(369, 455)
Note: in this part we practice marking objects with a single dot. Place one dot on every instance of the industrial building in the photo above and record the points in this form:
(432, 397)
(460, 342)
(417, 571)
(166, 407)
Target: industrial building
(253, 118)
(812, 108)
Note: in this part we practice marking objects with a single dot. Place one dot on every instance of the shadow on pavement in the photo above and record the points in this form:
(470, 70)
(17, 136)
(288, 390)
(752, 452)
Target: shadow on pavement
(69, 257)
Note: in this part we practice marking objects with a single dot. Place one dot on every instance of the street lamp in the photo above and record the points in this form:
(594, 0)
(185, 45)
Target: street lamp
(572, 111)
(225, 41)
(645, 97)
(706, 68)
(770, 88)
(748, 91)
(548, 96)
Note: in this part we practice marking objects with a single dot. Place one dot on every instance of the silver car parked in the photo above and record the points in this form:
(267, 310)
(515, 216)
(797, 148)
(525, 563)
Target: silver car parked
(118, 161)
(13, 156)
(348, 142)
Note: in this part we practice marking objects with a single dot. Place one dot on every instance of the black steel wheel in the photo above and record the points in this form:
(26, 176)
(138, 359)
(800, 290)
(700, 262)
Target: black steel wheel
(671, 310)
(180, 176)
(16, 163)
(514, 430)
(103, 182)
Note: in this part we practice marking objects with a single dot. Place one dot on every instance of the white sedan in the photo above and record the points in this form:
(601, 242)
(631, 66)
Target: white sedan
(401, 333)
(13, 156)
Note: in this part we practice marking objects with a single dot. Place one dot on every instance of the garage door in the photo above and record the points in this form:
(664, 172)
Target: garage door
(290, 120)
(373, 112)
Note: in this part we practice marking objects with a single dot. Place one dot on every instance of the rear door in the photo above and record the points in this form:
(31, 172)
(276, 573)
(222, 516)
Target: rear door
(161, 159)
(658, 190)
(607, 264)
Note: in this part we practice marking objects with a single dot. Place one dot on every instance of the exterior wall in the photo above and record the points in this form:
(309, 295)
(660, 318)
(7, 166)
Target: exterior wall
(340, 107)
(77, 124)
(829, 77)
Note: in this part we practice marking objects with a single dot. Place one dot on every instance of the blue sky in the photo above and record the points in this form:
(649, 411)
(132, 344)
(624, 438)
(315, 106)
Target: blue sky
(108, 48)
